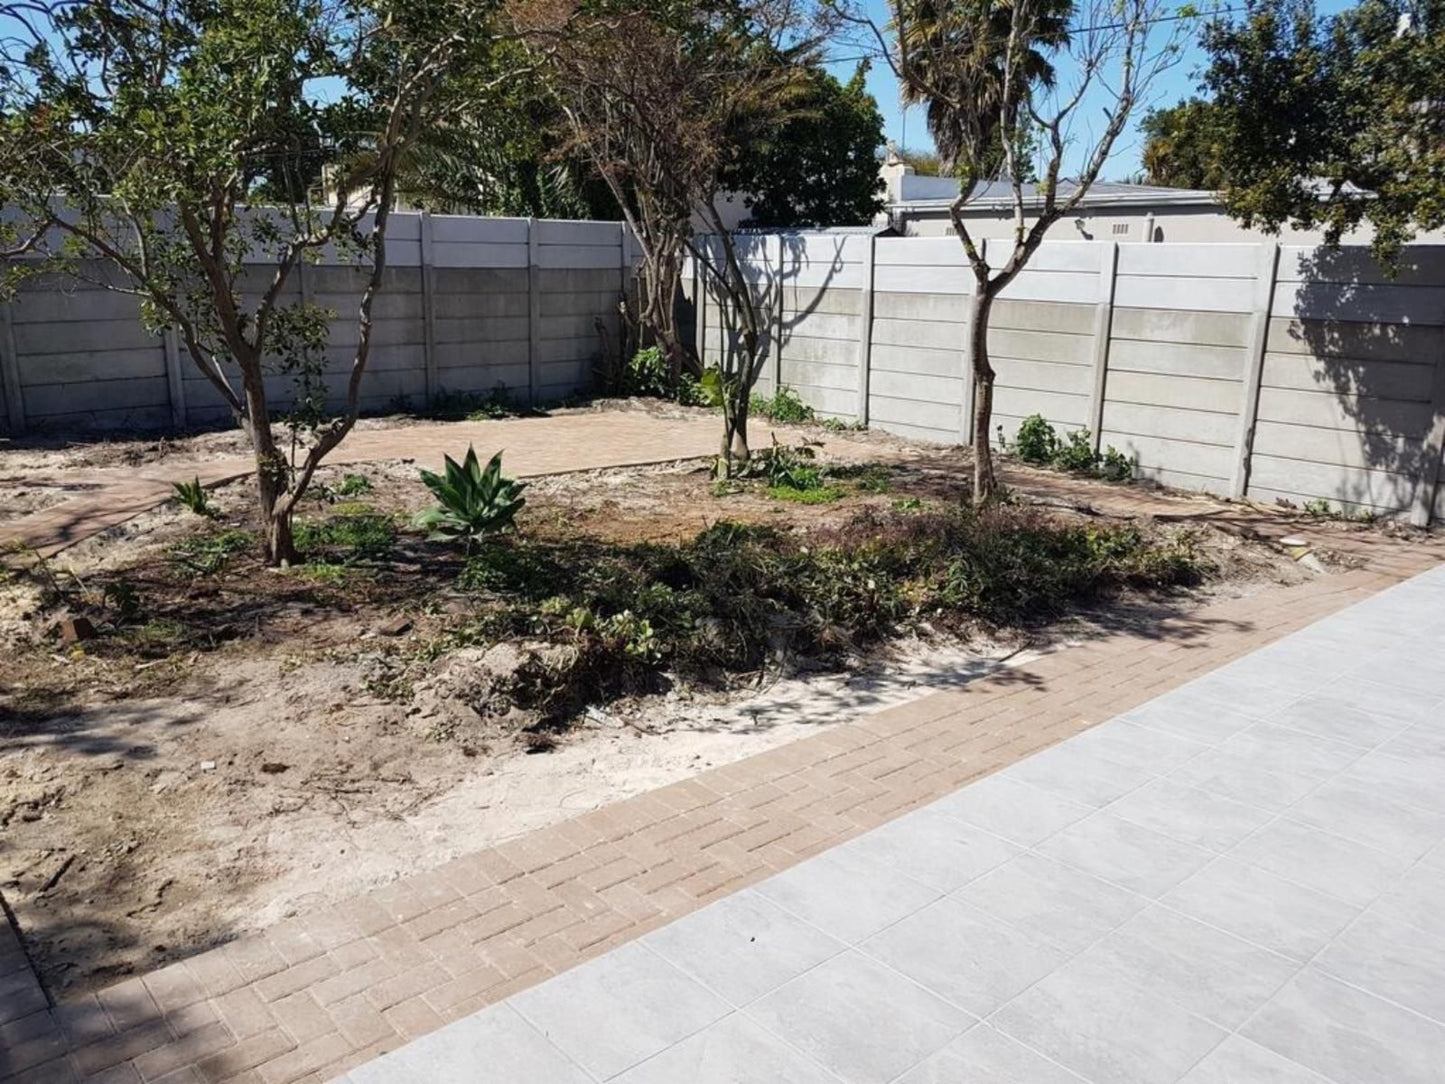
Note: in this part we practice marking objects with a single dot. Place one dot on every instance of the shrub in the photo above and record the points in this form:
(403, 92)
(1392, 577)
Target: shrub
(352, 485)
(783, 406)
(791, 466)
(207, 554)
(736, 595)
(357, 534)
(193, 495)
(475, 503)
(647, 374)
(1036, 441)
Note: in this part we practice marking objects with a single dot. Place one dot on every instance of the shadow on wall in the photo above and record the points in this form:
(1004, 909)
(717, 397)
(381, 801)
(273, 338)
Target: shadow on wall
(1373, 342)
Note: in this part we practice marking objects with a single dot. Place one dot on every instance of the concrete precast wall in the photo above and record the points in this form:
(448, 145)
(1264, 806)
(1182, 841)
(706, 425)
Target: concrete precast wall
(468, 305)
(1291, 373)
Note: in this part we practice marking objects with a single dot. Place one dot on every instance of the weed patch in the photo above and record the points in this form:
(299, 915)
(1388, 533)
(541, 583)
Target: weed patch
(207, 554)
(359, 534)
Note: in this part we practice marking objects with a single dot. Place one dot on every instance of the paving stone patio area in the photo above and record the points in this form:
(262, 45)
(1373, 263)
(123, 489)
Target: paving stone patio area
(1239, 881)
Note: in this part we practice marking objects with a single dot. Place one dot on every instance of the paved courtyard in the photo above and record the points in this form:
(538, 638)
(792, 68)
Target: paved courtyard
(1241, 880)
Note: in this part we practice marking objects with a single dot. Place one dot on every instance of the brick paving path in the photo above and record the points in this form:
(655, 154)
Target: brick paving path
(314, 996)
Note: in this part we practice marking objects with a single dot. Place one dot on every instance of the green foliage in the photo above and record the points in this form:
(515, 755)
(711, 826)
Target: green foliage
(122, 599)
(734, 596)
(352, 485)
(647, 374)
(193, 496)
(814, 493)
(1331, 122)
(791, 466)
(842, 425)
(1181, 146)
(475, 502)
(358, 534)
(783, 406)
(207, 554)
(473, 406)
(819, 168)
(1038, 443)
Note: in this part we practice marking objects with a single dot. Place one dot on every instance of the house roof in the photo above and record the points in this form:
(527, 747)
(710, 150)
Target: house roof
(999, 195)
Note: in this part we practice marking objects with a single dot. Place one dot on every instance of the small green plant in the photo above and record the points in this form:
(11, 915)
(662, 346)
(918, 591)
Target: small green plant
(816, 494)
(193, 496)
(1115, 465)
(792, 466)
(207, 554)
(647, 374)
(783, 406)
(842, 425)
(352, 485)
(1075, 453)
(1036, 441)
(907, 504)
(357, 534)
(475, 503)
(1319, 508)
(123, 599)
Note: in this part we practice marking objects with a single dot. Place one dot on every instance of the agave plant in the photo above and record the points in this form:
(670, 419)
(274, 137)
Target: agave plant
(475, 502)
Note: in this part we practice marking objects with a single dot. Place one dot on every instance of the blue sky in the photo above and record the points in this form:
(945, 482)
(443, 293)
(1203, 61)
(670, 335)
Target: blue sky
(1179, 82)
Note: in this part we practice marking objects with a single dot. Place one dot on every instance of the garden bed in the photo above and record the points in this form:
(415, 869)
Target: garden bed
(236, 744)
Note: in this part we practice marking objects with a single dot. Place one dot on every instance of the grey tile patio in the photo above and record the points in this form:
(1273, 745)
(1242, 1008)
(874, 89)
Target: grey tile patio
(1262, 907)
(1052, 901)
(964, 955)
(1339, 867)
(743, 946)
(863, 1021)
(494, 1046)
(1013, 810)
(941, 852)
(1239, 1061)
(1239, 883)
(1099, 1024)
(735, 1050)
(1139, 859)
(636, 1005)
(847, 896)
(985, 1055)
(1209, 972)
(1348, 1035)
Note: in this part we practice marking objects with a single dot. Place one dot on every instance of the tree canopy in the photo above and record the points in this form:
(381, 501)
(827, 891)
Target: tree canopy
(820, 166)
(1181, 146)
(1332, 123)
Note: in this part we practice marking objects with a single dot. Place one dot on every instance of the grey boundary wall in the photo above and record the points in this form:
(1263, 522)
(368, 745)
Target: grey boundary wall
(469, 305)
(1262, 370)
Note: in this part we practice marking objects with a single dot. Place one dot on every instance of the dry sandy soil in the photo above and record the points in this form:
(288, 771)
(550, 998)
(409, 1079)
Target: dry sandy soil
(250, 743)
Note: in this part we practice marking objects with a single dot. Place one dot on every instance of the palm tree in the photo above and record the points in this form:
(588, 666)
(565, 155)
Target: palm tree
(956, 61)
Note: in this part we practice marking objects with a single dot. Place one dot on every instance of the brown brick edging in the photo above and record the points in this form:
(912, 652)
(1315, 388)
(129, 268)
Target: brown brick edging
(316, 995)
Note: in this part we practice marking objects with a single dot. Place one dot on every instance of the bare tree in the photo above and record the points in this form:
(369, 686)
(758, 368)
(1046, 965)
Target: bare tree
(663, 97)
(173, 152)
(1000, 77)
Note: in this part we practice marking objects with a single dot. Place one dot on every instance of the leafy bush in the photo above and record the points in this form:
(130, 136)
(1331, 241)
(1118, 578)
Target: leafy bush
(648, 374)
(207, 554)
(356, 534)
(784, 406)
(791, 466)
(475, 503)
(1036, 441)
(193, 495)
(839, 425)
(352, 485)
(736, 595)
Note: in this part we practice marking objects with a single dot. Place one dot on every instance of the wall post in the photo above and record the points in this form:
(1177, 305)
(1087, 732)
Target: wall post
(534, 311)
(175, 379)
(1103, 326)
(777, 336)
(10, 373)
(430, 375)
(1421, 511)
(699, 311)
(1265, 273)
(865, 329)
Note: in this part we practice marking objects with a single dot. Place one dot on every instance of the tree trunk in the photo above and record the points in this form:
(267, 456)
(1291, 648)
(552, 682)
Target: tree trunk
(271, 473)
(985, 483)
(740, 450)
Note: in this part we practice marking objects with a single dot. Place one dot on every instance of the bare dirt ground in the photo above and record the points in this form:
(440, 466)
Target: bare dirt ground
(238, 745)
